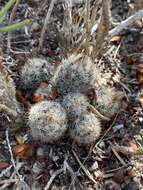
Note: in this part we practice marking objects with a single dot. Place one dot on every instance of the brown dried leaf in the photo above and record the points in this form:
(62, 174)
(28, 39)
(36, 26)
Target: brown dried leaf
(127, 150)
(133, 146)
(116, 39)
(119, 176)
(140, 78)
(4, 165)
(24, 151)
(37, 99)
(124, 104)
(140, 73)
(22, 99)
(140, 68)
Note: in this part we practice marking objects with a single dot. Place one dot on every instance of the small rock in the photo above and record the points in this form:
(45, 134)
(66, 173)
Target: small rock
(131, 186)
(111, 185)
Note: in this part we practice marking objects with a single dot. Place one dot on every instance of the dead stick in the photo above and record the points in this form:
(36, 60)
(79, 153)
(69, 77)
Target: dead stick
(116, 154)
(46, 23)
(55, 174)
(124, 24)
(83, 167)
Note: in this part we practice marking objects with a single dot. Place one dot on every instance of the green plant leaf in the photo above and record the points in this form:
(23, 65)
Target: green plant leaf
(16, 26)
(5, 9)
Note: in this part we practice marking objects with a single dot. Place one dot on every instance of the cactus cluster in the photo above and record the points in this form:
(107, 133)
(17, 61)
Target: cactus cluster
(85, 127)
(47, 121)
(73, 79)
(34, 72)
(8, 103)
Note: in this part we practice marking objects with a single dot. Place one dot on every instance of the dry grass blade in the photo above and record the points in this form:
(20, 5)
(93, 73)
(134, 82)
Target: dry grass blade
(56, 173)
(94, 110)
(75, 181)
(116, 154)
(87, 20)
(12, 16)
(83, 167)
(8, 181)
(103, 28)
(46, 23)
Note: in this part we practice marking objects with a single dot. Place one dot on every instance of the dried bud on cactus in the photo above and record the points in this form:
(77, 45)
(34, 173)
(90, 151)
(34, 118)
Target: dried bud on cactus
(47, 121)
(76, 74)
(8, 103)
(34, 72)
(86, 129)
(108, 101)
(75, 104)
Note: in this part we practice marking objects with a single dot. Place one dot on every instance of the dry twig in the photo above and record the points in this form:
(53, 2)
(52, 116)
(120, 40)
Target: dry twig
(73, 177)
(116, 154)
(95, 111)
(12, 16)
(126, 23)
(46, 23)
(103, 28)
(87, 19)
(55, 174)
(83, 167)
(22, 182)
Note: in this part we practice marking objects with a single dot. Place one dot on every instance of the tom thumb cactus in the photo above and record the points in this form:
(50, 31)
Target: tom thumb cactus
(34, 72)
(47, 121)
(86, 129)
(108, 101)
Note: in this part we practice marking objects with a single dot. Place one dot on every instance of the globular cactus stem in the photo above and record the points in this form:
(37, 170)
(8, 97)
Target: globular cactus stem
(77, 73)
(34, 72)
(86, 129)
(48, 121)
(108, 101)
(75, 104)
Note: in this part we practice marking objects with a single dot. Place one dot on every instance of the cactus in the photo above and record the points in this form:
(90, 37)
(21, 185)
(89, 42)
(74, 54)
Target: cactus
(47, 121)
(108, 101)
(34, 72)
(86, 129)
(76, 74)
(8, 103)
(75, 104)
